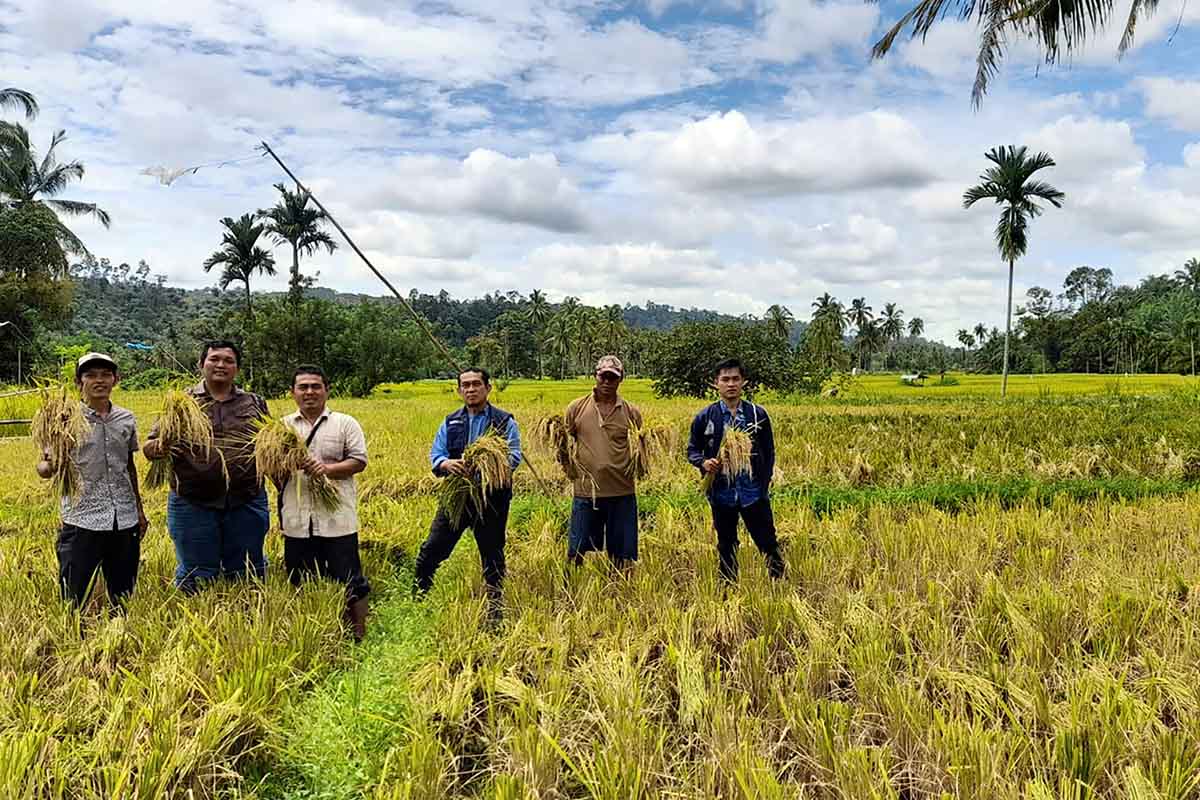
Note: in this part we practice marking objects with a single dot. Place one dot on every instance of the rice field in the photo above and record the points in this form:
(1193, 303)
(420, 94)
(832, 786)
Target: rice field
(983, 600)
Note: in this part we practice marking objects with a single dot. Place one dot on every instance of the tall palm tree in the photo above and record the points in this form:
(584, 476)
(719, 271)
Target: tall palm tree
(538, 314)
(967, 341)
(892, 322)
(240, 256)
(559, 339)
(980, 330)
(1059, 29)
(859, 313)
(826, 307)
(19, 100)
(1009, 184)
(869, 339)
(613, 327)
(1189, 276)
(294, 222)
(779, 322)
(916, 326)
(26, 180)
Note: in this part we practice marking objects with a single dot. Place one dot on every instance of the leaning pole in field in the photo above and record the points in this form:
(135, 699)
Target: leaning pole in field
(419, 319)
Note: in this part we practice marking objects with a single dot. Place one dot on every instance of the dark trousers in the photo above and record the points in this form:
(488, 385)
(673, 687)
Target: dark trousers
(81, 552)
(610, 523)
(333, 557)
(489, 529)
(760, 523)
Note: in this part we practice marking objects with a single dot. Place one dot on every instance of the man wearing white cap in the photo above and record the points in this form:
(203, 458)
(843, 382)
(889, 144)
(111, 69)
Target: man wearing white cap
(604, 512)
(103, 524)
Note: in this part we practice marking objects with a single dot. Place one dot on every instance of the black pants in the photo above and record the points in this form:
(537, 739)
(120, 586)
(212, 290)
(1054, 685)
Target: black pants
(333, 557)
(81, 552)
(760, 523)
(488, 528)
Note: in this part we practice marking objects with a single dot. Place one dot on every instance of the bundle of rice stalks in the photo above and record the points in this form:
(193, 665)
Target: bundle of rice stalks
(487, 463)
(58, 429)
(647, 442)
(734, 453)
(552, 431)
(279, 453)
(181, 423)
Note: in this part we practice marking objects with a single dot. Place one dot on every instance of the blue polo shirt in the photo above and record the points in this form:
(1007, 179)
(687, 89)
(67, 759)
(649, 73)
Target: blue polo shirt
(743, 490)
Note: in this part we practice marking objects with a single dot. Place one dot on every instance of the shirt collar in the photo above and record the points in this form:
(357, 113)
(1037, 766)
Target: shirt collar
(620, 401)
(736, 410)
(296, 416)
(201, 390)
(92, 413)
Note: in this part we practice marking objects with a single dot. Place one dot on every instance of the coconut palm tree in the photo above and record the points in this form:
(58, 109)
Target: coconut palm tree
(559, 339)
(26, 180)
(538, 314)
(294, 222)
(980, 330)
(779, 322)
(869, 339)
(892, 322)
(1060, 30)
(916, 326)
(240, 256)
(1189, 276)
(859, 313)
(1009, 184)
(19, 100)
(967, 341)
(613, 328)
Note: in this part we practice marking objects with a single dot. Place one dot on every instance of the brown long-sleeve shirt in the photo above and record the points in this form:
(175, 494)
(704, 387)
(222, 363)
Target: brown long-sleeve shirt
(603, 446)
(202, 481)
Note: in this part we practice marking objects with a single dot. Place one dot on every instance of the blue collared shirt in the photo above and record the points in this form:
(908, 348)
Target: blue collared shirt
(477, 425)
(743, 490)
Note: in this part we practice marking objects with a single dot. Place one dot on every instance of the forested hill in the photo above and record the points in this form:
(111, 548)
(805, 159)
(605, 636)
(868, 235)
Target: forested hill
(129, 305)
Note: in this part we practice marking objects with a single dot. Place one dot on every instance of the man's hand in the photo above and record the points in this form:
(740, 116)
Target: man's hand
(456, 466)
(314, 468)
(711, 465)
(143, 523)
(153, 449)
(44, 470)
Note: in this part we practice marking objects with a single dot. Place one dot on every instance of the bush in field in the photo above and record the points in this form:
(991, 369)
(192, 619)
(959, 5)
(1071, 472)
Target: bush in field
(683, 361)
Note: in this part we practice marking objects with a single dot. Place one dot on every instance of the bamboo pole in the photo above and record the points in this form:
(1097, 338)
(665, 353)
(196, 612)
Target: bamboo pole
(419, 319)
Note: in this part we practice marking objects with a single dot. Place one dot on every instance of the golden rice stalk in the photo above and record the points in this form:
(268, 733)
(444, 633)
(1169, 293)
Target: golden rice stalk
(181, 423)
(647, 442)
(552, 431)
(736, 446)
(487, 460)
(58, 429)
(279, 453)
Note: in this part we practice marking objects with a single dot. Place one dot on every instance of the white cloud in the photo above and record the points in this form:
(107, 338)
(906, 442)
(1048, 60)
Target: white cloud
(1176, 101)
(725, 152)
(795, 29)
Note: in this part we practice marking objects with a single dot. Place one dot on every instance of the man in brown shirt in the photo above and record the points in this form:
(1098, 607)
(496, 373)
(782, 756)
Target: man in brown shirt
(604, 512)
(218, 527)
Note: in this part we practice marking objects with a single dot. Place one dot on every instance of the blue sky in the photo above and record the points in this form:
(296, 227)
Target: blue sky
(727, 154)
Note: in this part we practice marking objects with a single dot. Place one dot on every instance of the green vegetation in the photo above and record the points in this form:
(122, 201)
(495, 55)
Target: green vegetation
(984, 600)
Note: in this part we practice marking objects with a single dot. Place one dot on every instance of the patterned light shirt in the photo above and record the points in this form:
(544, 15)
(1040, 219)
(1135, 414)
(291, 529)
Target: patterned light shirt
(106, 497)
(339, 437)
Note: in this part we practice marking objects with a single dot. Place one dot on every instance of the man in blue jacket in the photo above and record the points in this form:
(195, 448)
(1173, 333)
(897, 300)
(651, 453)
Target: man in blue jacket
(476, 417)
(747, 495)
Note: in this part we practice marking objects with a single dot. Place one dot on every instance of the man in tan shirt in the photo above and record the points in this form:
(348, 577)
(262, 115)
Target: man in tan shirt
(604, 512)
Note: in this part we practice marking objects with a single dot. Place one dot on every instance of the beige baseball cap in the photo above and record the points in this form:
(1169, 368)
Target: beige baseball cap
(610, 364)
(94, 358)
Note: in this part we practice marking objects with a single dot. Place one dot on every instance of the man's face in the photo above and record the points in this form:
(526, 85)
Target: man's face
(472, 389)
(310, 393)
(219, 365)
(607, 383)
(729, 384)
(96, 383)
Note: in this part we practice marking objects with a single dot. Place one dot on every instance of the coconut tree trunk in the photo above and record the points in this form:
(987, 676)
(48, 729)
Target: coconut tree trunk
(249, 306)
(1007, 330)
(294, 286)
(1192, 346)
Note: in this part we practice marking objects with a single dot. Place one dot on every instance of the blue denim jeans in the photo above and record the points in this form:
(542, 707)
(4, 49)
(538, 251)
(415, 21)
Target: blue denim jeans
(610, 523)
(213, 543)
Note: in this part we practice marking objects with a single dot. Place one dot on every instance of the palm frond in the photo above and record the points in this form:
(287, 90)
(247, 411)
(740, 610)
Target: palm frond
(19, 100)
(77, 209)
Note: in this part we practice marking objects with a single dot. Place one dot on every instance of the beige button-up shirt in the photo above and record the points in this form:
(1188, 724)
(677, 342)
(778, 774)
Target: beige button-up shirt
(339, 437)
